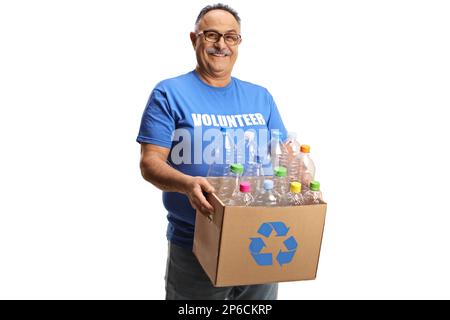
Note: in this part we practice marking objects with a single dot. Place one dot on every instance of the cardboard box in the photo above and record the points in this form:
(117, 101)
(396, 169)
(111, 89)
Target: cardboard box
(256, 245)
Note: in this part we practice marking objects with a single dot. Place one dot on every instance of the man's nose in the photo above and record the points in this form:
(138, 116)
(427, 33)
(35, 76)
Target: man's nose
(221, 43)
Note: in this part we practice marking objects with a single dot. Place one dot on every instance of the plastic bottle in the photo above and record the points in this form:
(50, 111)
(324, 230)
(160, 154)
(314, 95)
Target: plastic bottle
(292, 145)
(307, 169)
(253, 170)
(229, 147)
(266, 197)
(244, 197)
(292, 149)
(237, 170)
(278, 153)
(223, 158)
(295, 197)
(313, 195)
(217, 170)
(280, 183)
(230, 185)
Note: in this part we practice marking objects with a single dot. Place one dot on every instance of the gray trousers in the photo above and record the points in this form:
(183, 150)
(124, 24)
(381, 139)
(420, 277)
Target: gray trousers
(186, 280)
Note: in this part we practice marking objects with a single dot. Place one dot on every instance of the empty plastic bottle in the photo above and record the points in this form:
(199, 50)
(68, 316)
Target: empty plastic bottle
(244, 197)
(313, 195)
(278, 153)
(250, 145)
(223, 155)
(217, 170)
(292, 145)
(230, 185)
(266, 197)
(237, 171)
(253, 169)
(295, 197)
(292, 149)
(307, 169)
(229, 147)
(280, 182)
(253, 173)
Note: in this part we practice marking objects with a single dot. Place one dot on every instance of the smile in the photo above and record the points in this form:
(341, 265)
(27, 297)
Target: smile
(219, 55)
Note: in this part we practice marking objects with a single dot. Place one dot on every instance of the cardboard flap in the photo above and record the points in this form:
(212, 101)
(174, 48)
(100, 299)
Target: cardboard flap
(207, 237)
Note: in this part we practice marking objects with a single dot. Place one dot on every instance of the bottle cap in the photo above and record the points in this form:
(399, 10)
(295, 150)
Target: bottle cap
(314, 186)
(280, 171)
(296, 187)
(237, 168)
(268, 184)
(305, 148)
(245, 187)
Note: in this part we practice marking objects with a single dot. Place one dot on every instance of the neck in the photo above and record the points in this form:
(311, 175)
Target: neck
(213, 80)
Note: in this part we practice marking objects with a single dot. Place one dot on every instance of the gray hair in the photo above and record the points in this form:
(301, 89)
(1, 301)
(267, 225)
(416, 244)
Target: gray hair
(218, 6)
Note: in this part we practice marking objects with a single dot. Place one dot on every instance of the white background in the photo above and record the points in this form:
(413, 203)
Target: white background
(365, 83)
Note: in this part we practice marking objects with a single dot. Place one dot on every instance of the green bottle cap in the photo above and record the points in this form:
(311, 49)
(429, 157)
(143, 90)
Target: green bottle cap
(237, 168)
(314, 186)
(280, 171)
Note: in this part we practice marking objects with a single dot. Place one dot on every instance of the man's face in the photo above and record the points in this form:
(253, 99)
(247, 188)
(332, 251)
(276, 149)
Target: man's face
(217, 59)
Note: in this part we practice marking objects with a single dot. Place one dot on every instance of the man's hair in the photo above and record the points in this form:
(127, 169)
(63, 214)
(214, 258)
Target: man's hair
(218, 6)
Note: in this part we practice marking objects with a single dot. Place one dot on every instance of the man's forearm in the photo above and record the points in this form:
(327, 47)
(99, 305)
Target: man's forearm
(159, 173)
(156, 170)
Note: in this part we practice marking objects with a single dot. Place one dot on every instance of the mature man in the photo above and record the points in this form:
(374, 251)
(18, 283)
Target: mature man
(178, 110)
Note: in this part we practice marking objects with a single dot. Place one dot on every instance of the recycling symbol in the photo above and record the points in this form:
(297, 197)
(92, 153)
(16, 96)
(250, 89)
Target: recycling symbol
(257, 245)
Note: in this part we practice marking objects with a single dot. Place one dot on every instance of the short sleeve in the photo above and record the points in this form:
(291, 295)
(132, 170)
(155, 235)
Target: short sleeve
(275, 122)
(157, 123)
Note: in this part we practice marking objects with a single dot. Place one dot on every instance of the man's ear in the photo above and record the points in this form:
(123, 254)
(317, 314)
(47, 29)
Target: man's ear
(193, 38)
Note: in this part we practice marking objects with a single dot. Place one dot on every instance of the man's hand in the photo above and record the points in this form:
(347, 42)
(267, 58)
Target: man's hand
(195, 186)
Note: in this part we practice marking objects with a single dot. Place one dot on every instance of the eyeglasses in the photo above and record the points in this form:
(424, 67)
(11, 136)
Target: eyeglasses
(213, 36)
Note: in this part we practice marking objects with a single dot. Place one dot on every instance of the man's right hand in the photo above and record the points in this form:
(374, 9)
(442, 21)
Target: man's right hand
(194, 188)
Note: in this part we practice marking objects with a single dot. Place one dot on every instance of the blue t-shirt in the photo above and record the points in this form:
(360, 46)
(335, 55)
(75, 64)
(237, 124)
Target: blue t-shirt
(183, 113)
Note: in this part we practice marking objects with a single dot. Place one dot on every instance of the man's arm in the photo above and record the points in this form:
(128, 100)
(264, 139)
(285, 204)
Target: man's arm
(156, 170)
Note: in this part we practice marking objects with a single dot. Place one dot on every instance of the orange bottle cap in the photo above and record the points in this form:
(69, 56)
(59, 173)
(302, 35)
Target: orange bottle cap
(304, 148)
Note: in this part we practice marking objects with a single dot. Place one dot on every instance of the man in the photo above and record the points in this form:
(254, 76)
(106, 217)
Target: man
(178, 111)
